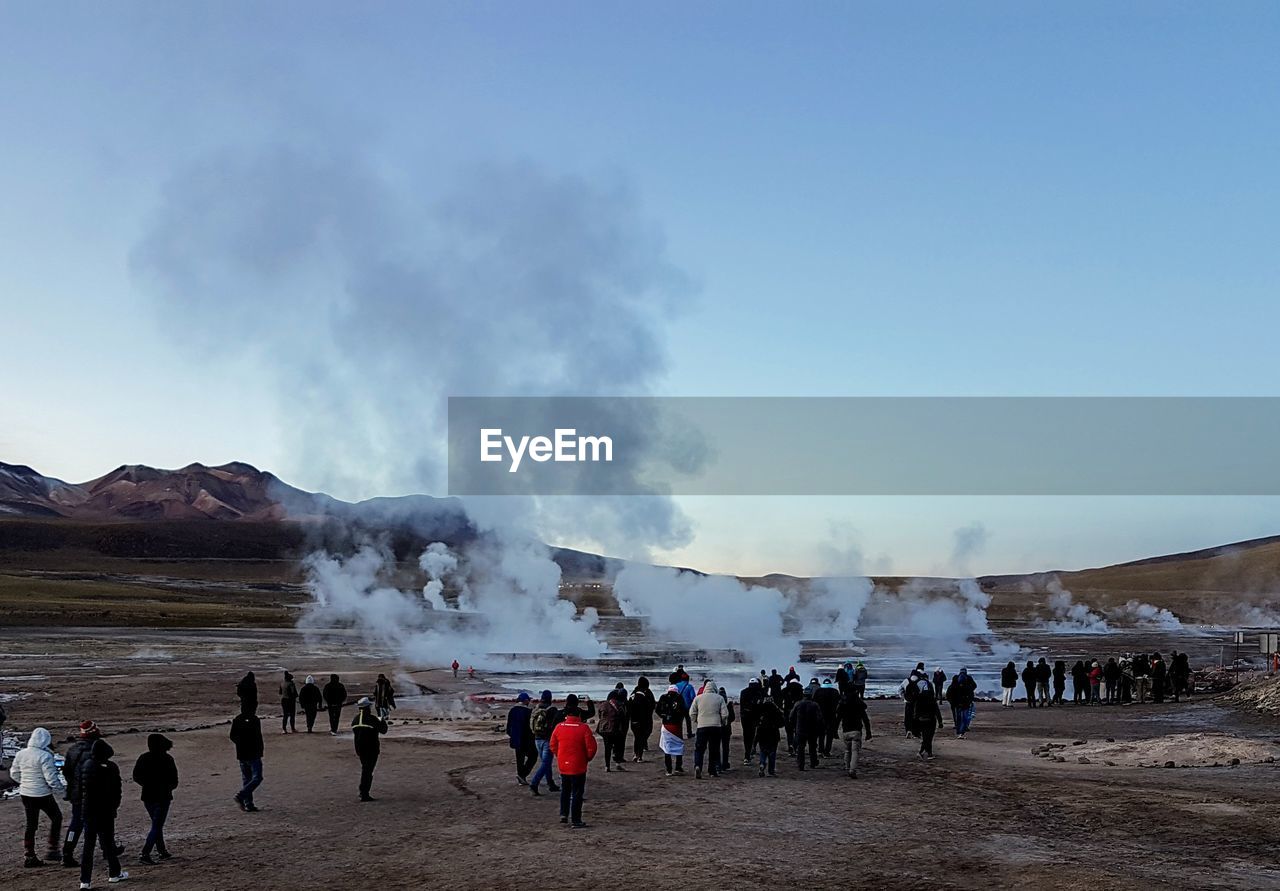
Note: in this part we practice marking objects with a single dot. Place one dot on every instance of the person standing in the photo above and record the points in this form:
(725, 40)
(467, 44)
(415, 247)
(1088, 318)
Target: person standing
(247, 691)
(384, 697)
(612, 727)
(288, 704)
(520, 738)
(927, 716)
(939, 680)
(36, 773)
(792, 696)
(1111, 680)
(100, 792)
(246, 733)
(961, 696)
(1059, 681)
(828, 699)
(1008, 684)
(726, 733)
(1095, 683)
(367, 729)
(852, 715)
(671, 710)
(687, 693)
(858, 680)
(1159, 678)
(1079, 683)
(749, 702)
(157, 773)
(1180, 675)
(770, 722)
(455, 666)
(807, 728)
(574, 745)
(310, 698)
(542, 721)
(335, 697)
(640, 712)
(708, 714)
(908, 691)
(1043, 675)
(79, 750)
(1029, 682)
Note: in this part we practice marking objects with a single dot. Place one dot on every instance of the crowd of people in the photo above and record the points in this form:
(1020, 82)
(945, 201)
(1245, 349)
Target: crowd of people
(1133, 677)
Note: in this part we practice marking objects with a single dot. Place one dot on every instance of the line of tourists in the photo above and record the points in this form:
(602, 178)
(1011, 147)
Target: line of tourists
(1131, 677)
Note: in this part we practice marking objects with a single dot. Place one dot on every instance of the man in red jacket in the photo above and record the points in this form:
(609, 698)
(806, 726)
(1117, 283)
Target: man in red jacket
(574, 745)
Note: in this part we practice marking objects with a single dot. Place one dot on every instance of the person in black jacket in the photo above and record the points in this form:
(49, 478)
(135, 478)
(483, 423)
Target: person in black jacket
(749, 701)
(1008, 683)
(79, 750)
(853, 719)
(247, 691)
(1079, 683)
(98, 779)
(1159, 678)
(640, 711)
(520, 737)
(310, 699)
(927, 716)
(770, 722)
(157, 774)
(288, 704)
(246, 733)
(367, 728)
(335, 697)
(1111, 677)
(807, 728)
(828, 699)
(1044, 676)
(726, 735)
(961, 696)
(792, 695)
(1029, 681)
(1059, 681)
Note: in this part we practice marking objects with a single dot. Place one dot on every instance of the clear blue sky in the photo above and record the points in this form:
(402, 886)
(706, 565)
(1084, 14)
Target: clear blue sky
(994, 198)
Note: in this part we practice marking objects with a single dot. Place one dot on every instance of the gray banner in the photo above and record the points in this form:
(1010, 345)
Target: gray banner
(864, 446)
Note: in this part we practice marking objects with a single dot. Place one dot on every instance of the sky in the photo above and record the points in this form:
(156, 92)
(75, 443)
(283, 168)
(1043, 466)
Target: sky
(905, 199)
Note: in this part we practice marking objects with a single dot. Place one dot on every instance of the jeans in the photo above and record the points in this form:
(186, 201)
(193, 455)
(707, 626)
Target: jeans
(33, 808)
(1093, 692)
(726, 736)
(158, 811)
(572, 787)
(707, 737)
(74, 826)
(852, 748)
(251, 773)
(963, 717)
(769, 757)
(544, 765)
(103, 833)
(1111, 691)
(1042, 692)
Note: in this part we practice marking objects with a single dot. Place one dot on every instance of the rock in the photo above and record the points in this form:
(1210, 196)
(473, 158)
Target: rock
(1270, 759)
(1058, 759)
(1170, 764)
(1235, 762)
(1083, 760)
(1111, 739)
(1078, 742)
(1109, 763)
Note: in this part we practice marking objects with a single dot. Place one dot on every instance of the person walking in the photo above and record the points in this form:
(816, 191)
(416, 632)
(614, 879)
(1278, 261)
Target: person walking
(384, 697)
(612, 727)
(939, 680)
(520, 737)
(828, 699)
(687, 693)
(246, 734)
(36, 773)
(792, 695)
(640, 709)
(157, 773)
(708, 714)
(671, 711)
(858, 680)
(367, 730)
(927, 716)
(79, 750)
(770, 722)
(288, 704)
(455, 666)
(1008, 684)
(807, 728)
(574, 745)
(749, 702)
(247, 692)
(100, 792)
(310, 698)
(1029, 682)
(335, 697)
(961, 696)
(853, 720)
(726, 734)
(908, 690)
(542, 721)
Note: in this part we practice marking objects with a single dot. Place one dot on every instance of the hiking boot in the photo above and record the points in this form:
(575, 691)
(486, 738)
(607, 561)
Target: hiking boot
(250, 809)
(146, 858)
(114, 880)
(772, 774)
(552, 787)
(32, 861)
(522, 781)
(165, 855)
(619, 767)
(535, 792)
(853, 774)
(564, 819)
(680, 771)
(240, 802)
(578, 825)
(669, 773)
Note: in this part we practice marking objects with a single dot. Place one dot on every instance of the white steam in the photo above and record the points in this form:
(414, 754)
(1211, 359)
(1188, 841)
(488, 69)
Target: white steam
(1066, 615)
(1147, 615)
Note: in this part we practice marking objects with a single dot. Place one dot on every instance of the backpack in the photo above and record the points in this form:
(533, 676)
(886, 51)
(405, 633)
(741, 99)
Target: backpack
(911, 693)
(608, 717)
(540, 722)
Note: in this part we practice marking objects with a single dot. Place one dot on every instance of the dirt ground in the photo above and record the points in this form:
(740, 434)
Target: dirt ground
(987, 813)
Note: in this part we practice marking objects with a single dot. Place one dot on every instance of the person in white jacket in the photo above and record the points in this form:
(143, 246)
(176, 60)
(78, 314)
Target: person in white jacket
(39, 780)
(709, 714)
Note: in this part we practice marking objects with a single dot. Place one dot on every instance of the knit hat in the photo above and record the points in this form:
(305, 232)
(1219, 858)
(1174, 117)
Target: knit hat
(88, 730)
(571, 701)
(523, 697)
(311, 679)
(545, 696)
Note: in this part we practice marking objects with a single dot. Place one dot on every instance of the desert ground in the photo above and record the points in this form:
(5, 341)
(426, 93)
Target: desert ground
(987, 813)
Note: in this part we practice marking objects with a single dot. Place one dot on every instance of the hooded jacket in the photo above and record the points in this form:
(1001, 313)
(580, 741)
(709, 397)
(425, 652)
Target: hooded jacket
(155, 771)
(247, 691)
(573, 744)
(519, 730)
(641, 705)
(78, 751)
(709, 709)
(246, 733)
(99, 779)
(366, 730)
(335, 693)
(309, 697)
(806, 719)
(34, 769)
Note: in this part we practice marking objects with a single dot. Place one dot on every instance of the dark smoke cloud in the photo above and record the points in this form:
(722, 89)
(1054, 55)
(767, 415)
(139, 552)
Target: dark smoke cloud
(370, 295)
